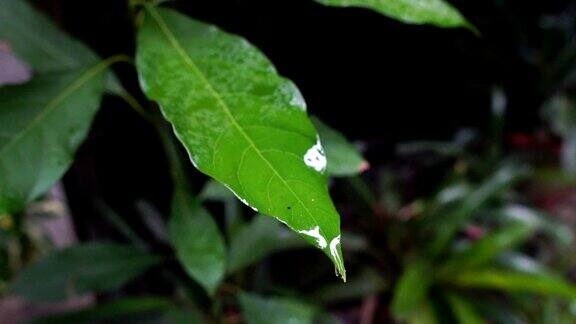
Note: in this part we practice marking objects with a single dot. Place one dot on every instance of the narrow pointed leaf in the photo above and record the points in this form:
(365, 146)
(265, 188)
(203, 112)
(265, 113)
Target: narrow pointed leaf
(241, 122)
(464, 310)
(412, 287)
(42, 124)
(435, 12)
(510, 281)
(197, 240)
(488, 248)
(80, 269)
(447, 222)
(343, 158)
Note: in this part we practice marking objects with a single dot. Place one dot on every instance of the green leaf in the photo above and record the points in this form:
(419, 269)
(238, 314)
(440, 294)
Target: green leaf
(514, 282)
(258, 239)
(343, 158)
(277, 310)
(197, 240)
(488, 248)
(215, 191)
(365, 283)
(435, 12)
(464, 310)
(425, 313)
(549, 225)
(496, 312)
(411, 290)
(448, 222)
(521, 262)
(181, 316)
(42, 124)
(112, 311)
(39, 42)
(241, 123)
(81, 269)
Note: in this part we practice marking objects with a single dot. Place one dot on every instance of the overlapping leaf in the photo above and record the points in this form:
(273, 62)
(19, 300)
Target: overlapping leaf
(343, 158)
(241, 122)
(39, 42)
(412, 287)
(464, 310)
(197, 240)
(128, 309)
(257, 239)
(42, 124)
(260, 310)
(512, 281)
(435, 12)
(81, 269)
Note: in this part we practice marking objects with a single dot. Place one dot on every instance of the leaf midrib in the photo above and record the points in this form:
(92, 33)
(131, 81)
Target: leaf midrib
(190, 63)
(53, 104)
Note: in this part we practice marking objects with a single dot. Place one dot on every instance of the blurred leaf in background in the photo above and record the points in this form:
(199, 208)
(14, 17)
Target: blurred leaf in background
(73, 271)
(197, 240)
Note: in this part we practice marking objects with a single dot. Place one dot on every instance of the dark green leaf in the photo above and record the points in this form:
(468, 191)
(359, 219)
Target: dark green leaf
(514, 282)
(215, 191)
(37, 40)
(42, 124)
(365, 283)
(181, 316)
(258, 239)
(81, 269)
(425, 313)
(488, 248)
(547, 224)
(197, 240)
(498, 312)
(277, 310)
(448, 222)
(344, 159)
(435, 12)
(464, 310)
(116, 310)
(411, 289)
(241, 123)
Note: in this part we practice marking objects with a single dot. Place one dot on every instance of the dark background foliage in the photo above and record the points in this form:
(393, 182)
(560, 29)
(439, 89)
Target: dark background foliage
(382, 83)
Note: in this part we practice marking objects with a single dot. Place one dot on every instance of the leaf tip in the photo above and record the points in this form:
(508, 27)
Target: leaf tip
(336, 256)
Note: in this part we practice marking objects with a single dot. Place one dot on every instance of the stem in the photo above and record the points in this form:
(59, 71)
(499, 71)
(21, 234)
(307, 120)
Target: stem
(136, 106)
(116, 59)
(174, 159)
(176, 166)
(129, 98)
